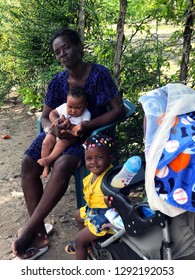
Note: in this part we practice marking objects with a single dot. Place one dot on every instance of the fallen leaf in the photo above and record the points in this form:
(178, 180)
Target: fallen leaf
(6, 137)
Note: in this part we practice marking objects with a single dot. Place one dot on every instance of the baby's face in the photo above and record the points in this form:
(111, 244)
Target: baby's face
(75, 106)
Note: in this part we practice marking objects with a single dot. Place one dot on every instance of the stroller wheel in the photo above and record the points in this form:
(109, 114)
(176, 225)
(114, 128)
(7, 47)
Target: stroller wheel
(101, 254)
(96, 253)
(105, 255)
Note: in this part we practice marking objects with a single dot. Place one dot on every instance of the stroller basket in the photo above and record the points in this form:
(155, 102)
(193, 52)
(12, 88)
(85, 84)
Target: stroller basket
(137, 218)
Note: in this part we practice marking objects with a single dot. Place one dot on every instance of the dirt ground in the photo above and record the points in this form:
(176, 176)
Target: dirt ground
(20, 125)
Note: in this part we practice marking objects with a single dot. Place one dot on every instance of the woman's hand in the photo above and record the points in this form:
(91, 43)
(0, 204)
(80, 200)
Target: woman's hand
(78, 130)
(62, 132)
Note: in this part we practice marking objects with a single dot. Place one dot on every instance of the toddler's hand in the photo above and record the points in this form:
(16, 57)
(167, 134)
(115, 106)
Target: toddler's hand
(109, 201)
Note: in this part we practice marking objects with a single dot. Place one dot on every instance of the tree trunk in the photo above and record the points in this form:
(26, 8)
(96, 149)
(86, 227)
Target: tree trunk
(187, 36)
(81, 19)
(119, 41)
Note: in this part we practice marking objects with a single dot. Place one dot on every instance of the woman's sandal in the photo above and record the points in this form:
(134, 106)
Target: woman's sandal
(70, 248)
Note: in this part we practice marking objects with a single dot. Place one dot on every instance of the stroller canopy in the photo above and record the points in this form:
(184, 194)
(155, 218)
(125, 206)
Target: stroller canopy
(170, 148)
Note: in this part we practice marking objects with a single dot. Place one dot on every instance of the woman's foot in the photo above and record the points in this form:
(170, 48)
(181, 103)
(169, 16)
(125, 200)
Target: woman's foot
(26, 241)
(33, 253)
(48, 228)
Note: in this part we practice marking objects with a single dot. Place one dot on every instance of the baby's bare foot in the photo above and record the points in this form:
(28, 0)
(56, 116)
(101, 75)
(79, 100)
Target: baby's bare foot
(44, 161)
(45, 172)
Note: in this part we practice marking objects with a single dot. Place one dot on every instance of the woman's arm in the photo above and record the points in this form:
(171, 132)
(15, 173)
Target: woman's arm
(48, 116)
(45, 122)
(116, 112)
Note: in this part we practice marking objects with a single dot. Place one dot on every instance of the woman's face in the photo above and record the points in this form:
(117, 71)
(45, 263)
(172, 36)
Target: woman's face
(66, 52)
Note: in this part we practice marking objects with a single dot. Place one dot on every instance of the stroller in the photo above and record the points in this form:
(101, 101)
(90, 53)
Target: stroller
(168, 232)
(147, 234)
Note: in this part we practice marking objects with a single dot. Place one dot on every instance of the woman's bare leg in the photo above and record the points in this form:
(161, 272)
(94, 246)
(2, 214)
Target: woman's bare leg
(40, 203)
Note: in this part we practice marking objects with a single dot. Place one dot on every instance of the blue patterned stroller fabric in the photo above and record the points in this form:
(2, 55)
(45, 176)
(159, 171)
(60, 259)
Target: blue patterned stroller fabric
(175, 178)
(170, 148)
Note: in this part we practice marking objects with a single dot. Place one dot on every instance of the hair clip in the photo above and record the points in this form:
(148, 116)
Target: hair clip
(98, 140)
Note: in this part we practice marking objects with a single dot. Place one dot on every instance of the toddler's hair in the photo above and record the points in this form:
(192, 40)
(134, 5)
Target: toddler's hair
(99, 140)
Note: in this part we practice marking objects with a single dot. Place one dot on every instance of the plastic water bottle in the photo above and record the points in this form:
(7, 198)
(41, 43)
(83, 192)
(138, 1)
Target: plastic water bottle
(128, 171)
